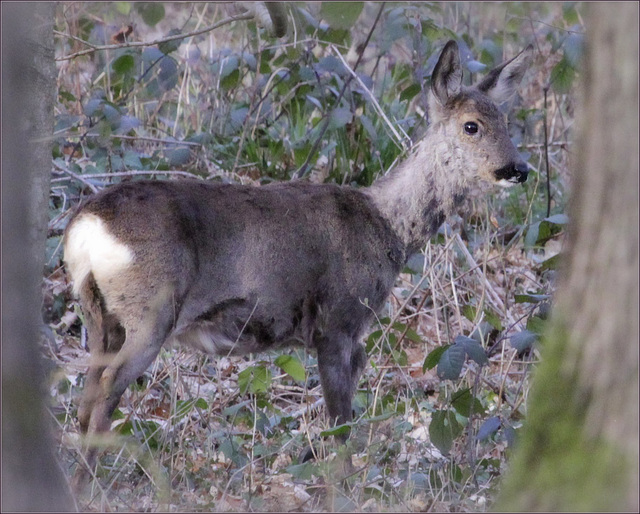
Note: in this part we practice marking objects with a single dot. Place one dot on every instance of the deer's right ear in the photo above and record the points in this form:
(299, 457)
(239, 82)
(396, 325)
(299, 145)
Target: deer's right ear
(501, 82)
(446, 79)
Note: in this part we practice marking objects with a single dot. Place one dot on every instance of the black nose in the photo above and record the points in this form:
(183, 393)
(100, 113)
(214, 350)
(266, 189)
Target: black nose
(521, 172)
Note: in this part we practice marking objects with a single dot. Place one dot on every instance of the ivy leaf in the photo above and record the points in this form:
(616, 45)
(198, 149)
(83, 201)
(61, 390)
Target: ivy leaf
(562, 76)
(302, 471)
(254, 379)
(179, 156)
(450, 365)
(292, 366)
(558, 219)
(465, 404)
(523, 340)
(443, 429)
(343, 429)
(123, 64)
(340, 117)
(488, 428)
(151, 12)
(167, 47)
(473, 349)
(432, 360)
(341, 15)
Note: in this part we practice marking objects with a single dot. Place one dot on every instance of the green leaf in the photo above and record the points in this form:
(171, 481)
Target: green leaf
(179, 156)
(341, 15)
(488, 428)
(558, 219)
(550, 263)
(123, 7)
(184, 407)
(340, 117)
(66, 96)
(443, 429)
(473, 349)
(493, 319)
(292, 366)
(151, 12)
(532, 235)
(343, 429)
(123, 64)
(432, 360)
(302, 471)
(93, 106)
(409, 92)
(562, 76)
(465, 404)
(381, 417)
(413, 336)
(170, 46)
(231, 80)
(570, 14)
(536, 324)
(523, 340)
(469, 312)
(573, 48)
(531, 298)
(450, 365)
(254, 379)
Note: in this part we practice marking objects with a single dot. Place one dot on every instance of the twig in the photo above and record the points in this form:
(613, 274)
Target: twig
(128, 173)
(400, 140)
(133, 44)
(546, 153)
(76, 176)
(153, 140)
(490, 291)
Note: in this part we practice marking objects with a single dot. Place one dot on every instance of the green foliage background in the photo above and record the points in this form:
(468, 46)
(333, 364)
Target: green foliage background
(440, 404)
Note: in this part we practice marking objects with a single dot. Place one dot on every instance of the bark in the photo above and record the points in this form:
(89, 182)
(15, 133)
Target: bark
(579, 451)
(31, 477)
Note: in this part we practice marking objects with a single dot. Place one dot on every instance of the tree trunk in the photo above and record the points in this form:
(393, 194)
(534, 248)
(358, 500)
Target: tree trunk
(579, 450)
(31, 477)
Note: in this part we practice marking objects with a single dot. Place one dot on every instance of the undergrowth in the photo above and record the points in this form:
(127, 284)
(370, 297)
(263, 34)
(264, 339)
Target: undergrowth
(339, 99)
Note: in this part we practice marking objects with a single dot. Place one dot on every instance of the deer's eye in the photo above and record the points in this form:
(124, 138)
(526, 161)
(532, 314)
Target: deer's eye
(471, 127)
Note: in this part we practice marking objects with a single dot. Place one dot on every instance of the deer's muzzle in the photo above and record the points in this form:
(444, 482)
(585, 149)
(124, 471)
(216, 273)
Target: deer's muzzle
(514, 173)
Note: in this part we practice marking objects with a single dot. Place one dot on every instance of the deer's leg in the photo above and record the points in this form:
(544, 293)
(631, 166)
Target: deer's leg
(145, 335)
(104, 341)
(93, 309)
(340, 361)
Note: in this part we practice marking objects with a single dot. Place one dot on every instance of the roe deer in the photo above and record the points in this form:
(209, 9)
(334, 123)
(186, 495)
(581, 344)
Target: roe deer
(233, 269)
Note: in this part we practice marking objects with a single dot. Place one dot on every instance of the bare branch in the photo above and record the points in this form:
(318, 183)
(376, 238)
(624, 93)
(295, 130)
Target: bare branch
(134, 44)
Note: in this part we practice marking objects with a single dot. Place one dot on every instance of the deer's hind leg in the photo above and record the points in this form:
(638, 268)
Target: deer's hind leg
(122, 347)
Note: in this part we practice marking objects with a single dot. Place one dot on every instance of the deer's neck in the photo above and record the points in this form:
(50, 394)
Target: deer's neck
(422, 191)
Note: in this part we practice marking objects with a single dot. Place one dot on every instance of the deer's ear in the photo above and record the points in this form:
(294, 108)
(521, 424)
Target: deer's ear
(501, 82)
(446, 79)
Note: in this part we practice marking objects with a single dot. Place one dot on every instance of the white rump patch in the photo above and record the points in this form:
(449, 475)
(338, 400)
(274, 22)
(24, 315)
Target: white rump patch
(90, 248)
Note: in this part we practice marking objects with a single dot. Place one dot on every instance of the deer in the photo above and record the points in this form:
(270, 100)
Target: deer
(232, 269)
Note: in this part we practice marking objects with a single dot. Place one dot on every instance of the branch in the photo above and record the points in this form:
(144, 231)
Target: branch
(133, 44)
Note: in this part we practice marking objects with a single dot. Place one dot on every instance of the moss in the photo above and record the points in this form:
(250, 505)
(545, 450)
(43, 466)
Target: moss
(556, 467)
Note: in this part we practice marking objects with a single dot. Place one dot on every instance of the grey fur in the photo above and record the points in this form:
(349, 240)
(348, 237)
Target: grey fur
(231, 269)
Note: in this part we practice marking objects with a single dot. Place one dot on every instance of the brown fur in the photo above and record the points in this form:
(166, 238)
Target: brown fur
(233, 269)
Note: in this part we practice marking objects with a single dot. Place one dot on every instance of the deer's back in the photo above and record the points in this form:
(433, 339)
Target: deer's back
(289, 260)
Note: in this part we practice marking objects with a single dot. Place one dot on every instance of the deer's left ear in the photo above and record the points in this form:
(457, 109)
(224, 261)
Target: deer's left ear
(446, 79)
(501, 82)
